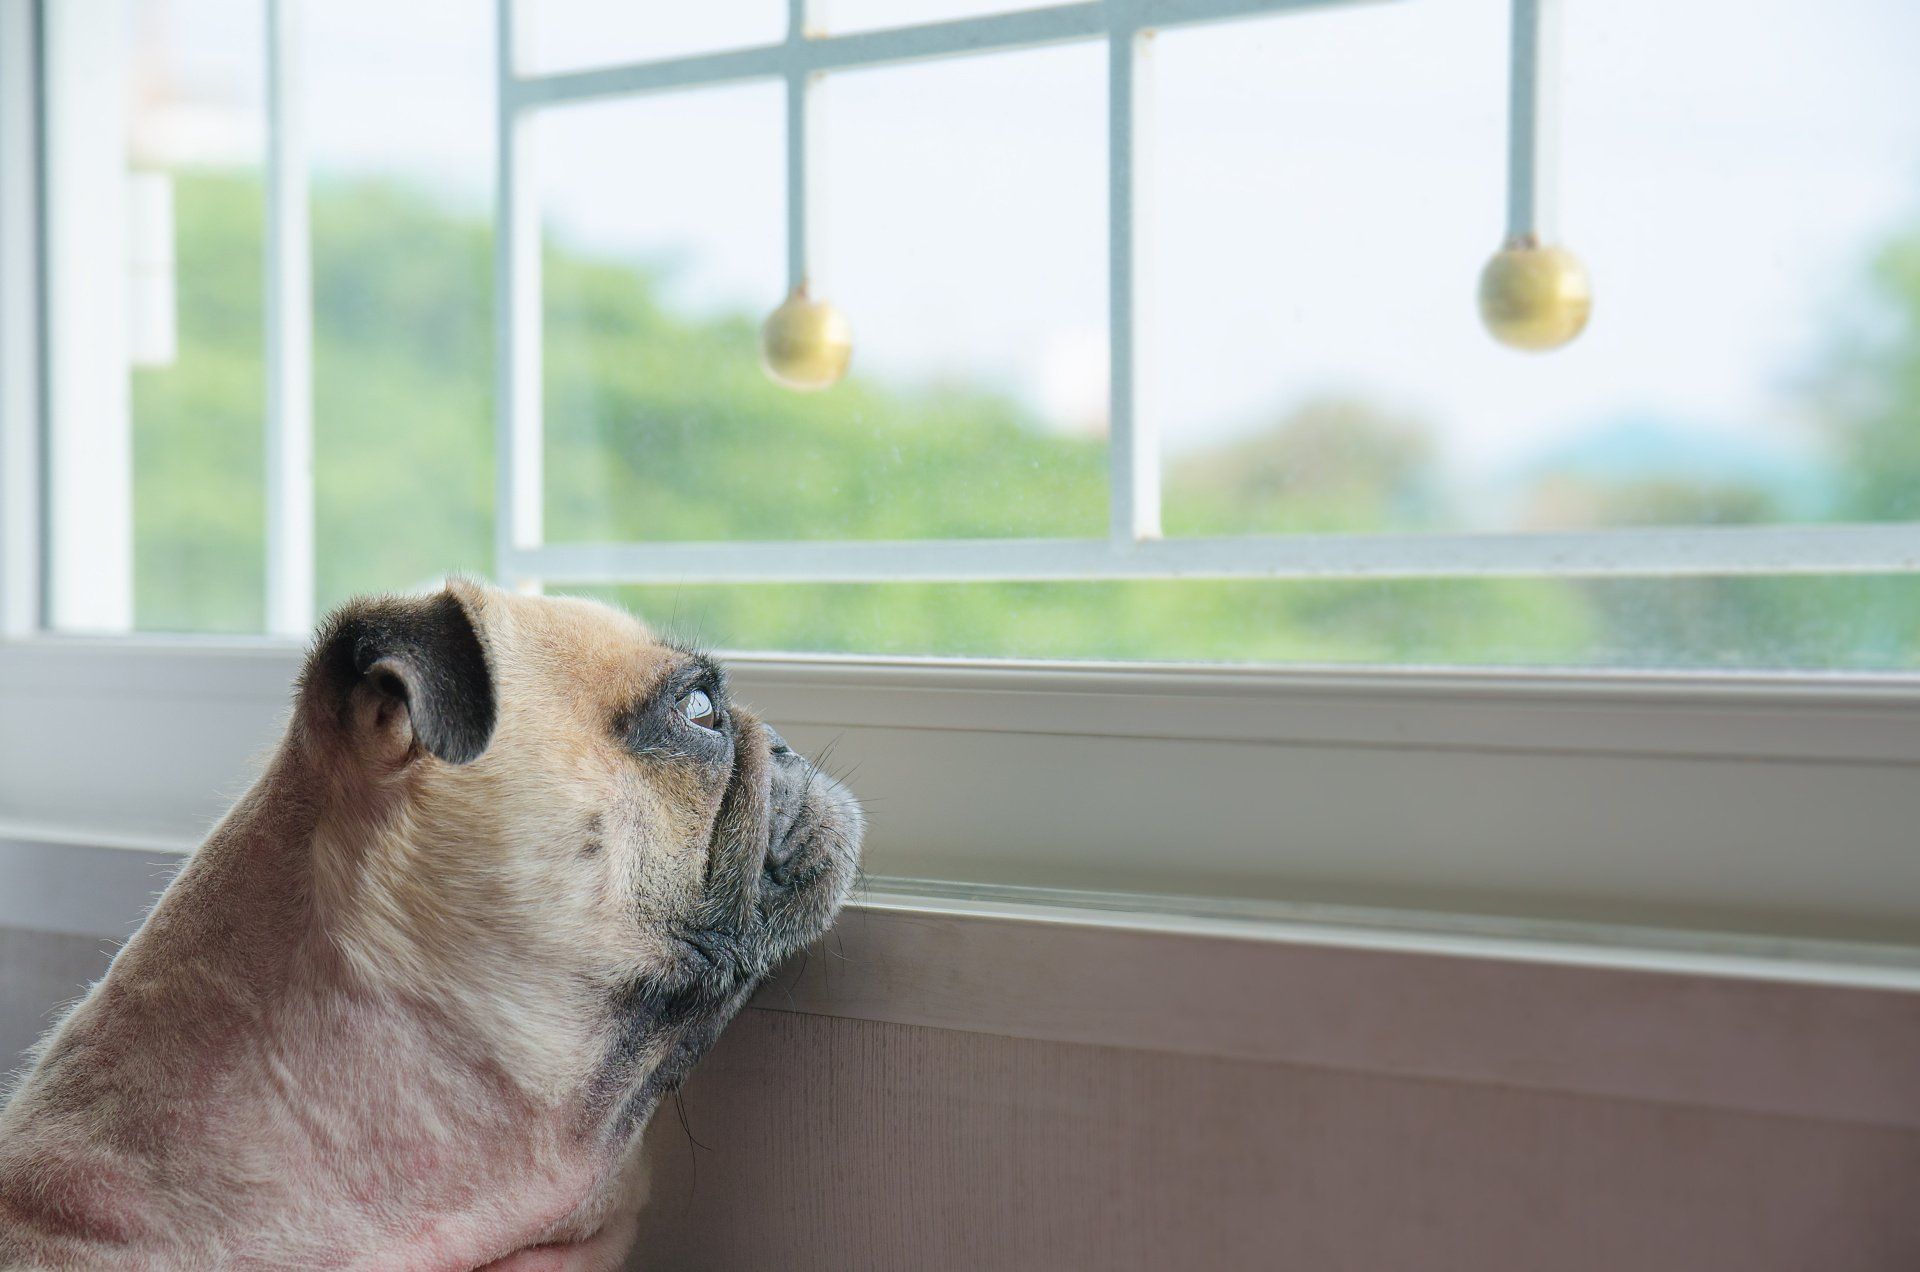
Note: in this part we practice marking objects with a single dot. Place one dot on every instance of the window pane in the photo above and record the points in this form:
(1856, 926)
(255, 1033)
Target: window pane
(402, 156)
(663, 220)
(571, 35)
(195, 141)
(962, 208)
(1755, 187)
(965, 236)
(1324, 189)
(1856, 623)
(1330, 184)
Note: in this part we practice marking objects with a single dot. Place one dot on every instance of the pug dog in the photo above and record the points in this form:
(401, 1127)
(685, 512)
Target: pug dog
(514, 865)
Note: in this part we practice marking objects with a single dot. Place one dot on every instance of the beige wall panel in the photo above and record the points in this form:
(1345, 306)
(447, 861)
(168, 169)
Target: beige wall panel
(843, 1143)
(833, 1143)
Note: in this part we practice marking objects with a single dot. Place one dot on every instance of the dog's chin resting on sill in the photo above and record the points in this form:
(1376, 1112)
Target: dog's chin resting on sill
(514, 865)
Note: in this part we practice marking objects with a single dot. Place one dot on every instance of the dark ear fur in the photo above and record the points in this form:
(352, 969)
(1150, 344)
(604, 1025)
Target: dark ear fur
(417, 654)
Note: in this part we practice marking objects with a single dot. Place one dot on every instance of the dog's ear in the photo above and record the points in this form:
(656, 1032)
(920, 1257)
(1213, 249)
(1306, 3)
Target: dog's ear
(395, 673)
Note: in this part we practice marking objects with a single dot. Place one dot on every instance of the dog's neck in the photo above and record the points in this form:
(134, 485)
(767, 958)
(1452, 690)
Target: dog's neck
(231, 1071)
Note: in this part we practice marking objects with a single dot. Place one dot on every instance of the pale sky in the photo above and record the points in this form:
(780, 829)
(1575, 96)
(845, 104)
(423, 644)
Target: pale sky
(1327, 186)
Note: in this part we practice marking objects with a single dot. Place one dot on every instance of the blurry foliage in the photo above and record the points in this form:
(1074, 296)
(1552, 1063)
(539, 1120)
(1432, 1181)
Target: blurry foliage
(198, 448)
(1329, 464)
(1565, 501)
(661, 426)
(1871, 395)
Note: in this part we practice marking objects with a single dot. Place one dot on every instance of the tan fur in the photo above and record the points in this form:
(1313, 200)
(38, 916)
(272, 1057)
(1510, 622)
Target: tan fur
(373, 1024)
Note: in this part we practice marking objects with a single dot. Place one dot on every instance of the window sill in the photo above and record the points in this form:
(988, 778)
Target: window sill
(1775, 806)
(1799, 1028)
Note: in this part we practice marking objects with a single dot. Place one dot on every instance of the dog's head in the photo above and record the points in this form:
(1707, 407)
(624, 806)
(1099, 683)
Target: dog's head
(562, 832)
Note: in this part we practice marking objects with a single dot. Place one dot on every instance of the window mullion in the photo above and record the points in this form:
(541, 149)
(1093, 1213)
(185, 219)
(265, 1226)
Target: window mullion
(289, 336)
(1133, 451)
(20, 319)
(1693, 552)
(88, 444)
(518, 458)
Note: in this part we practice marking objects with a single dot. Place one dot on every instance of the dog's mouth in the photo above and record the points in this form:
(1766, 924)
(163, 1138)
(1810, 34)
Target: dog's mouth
(814, 831)
(767, 898)
(786, 892)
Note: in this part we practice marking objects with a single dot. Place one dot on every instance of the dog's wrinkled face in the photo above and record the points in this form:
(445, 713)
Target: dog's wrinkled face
(608, 831)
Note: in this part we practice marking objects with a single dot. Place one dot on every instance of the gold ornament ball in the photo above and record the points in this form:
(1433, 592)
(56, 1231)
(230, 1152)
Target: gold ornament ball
(806, 343)
(1534, 297)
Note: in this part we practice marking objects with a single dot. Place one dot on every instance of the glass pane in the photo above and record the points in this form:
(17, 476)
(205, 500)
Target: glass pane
(570, 35)
(1755, 187)
(978, 388)
(196, 140)
(1856, 623)
(867, 15)
(401, 146)
(965, 235)
(663, 219)
(1330, 184)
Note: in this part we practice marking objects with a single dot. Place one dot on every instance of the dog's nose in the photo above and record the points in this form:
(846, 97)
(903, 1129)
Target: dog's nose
(789, 793)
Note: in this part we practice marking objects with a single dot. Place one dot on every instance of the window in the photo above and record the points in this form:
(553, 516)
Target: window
(1391, 443)
(1164, 341)
(308, 308)
(1165, 350)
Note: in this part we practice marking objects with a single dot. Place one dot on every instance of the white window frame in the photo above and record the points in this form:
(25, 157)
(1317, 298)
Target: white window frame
(1780, 806)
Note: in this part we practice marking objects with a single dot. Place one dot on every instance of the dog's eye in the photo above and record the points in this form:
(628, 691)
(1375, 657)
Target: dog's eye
(697, 707)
